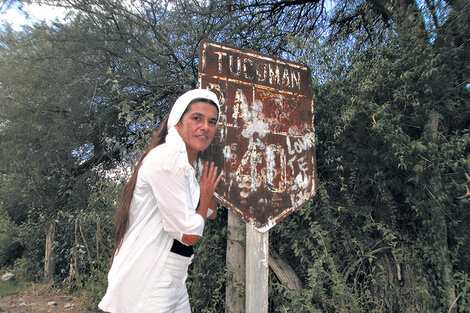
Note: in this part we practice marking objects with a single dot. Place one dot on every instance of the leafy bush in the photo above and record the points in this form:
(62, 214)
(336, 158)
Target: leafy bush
(463, 291)
(10, 247)
(96, 284)
(28, 269)
(207, 274)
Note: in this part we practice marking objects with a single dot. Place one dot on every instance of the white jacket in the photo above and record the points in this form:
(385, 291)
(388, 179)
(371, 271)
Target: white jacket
(163, 208)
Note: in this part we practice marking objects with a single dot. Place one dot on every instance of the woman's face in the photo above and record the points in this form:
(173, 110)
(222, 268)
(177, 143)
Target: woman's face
(197, 127)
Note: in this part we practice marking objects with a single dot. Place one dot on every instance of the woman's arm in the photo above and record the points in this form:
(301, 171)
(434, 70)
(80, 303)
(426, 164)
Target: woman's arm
(213, 207)
(191, 239)
(208, 183)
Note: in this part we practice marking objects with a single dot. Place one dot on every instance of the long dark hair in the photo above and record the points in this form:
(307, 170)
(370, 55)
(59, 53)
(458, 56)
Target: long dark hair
(121, 217)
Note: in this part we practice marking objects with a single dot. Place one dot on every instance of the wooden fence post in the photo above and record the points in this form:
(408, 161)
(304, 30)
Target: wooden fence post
(49, 262)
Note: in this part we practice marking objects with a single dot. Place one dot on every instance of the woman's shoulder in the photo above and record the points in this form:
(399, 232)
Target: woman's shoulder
(158, 155)
(156, 152)
(164, 158)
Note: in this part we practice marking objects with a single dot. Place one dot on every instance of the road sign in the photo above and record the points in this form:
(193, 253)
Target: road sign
(265, 142)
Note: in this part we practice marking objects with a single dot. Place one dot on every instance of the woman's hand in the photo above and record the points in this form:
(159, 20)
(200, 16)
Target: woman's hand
(208, 184)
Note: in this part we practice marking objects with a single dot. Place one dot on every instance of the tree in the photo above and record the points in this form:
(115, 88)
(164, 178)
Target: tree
(54, 130)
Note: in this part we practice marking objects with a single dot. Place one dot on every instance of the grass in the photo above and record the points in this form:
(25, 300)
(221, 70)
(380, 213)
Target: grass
(8, 288)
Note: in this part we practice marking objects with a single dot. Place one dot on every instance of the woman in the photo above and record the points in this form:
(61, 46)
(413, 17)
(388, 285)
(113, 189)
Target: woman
(162, 212)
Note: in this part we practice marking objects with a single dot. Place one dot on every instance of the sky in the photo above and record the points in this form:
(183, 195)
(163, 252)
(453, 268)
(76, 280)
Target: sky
(28, 14)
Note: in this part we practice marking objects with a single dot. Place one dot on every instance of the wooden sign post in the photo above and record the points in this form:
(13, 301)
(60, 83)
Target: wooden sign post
(257, 266)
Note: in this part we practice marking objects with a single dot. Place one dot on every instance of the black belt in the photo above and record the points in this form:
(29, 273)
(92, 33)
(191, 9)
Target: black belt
(181, 249)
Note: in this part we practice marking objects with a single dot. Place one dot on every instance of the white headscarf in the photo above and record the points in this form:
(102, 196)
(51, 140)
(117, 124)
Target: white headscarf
(185, 99)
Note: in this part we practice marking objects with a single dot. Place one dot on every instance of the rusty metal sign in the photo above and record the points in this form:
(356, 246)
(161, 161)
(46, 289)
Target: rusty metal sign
(265, 142)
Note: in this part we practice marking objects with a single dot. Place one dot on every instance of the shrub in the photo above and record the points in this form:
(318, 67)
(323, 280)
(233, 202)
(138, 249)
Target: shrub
(10, 247)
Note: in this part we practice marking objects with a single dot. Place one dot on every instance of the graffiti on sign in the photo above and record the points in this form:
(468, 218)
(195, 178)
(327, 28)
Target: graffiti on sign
(265, 143)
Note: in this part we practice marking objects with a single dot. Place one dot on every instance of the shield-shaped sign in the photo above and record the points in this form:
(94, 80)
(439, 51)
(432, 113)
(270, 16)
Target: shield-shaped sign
(265, 143)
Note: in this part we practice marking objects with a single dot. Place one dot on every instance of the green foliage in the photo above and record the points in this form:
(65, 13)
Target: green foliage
(387, 179)
(10, 247)
(462, 281)
(96, 283)
(334, 262)
(29, 268)
(207, 277)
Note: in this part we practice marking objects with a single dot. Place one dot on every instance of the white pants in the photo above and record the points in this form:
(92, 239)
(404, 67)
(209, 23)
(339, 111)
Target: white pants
(170, 294)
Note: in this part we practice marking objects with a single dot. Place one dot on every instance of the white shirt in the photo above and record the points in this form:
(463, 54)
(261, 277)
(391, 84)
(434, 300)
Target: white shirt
(163, 207)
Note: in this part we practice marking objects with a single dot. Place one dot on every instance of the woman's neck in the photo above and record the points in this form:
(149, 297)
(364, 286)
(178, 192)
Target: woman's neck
(191, 157)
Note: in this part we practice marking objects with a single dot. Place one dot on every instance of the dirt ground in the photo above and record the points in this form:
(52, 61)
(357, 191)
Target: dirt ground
(38, 303)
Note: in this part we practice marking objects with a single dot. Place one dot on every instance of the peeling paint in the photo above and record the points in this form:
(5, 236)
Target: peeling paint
(227, 153)
(302, 181)
(270, 224)
(266, 139)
